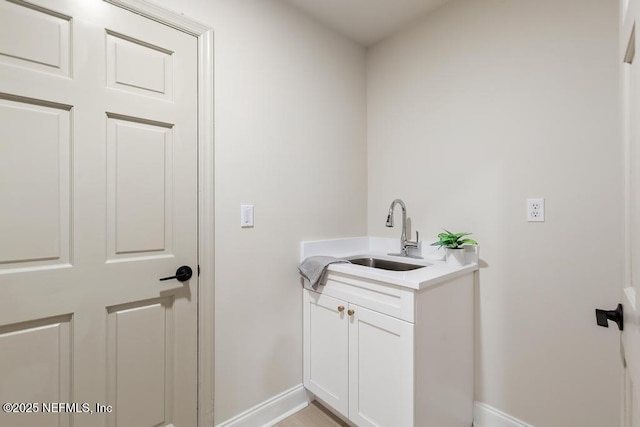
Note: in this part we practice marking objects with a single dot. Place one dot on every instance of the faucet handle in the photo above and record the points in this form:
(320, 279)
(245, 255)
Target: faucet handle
(414, 244)
(408, 245)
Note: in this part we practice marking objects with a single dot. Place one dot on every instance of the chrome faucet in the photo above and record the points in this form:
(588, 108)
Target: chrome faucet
(405, 245)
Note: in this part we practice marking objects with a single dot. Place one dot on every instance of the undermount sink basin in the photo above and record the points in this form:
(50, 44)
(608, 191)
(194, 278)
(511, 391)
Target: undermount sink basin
(385, 264)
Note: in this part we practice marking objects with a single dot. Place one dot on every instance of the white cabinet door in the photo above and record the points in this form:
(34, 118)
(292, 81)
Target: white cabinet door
(326, 346)
(380, 369)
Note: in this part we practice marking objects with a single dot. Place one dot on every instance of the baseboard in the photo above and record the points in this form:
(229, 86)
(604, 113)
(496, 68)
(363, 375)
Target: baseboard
(271, 411)
(287, 403)
(487, 416)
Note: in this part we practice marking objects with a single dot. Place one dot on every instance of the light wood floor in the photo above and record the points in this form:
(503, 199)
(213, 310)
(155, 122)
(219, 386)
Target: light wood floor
(314, 415)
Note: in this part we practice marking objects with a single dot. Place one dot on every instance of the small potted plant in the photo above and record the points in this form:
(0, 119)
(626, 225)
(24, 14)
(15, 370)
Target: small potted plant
(454, 245)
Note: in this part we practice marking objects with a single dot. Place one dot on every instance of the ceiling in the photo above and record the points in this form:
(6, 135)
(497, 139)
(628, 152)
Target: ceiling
(366, 21)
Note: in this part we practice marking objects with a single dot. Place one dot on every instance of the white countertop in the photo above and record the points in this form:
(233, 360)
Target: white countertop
(436, 271)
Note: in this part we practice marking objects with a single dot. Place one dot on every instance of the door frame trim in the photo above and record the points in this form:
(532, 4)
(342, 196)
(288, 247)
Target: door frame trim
(206, 197)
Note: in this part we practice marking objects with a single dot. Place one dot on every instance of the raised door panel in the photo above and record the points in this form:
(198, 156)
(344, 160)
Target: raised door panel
(380, 370)
(35, 184)
(35, 38)
(139, 185)
(36, 370)
(139, 67)
(140, 370)
(326, 344)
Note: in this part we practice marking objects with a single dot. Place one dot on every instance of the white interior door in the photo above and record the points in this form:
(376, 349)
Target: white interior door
(630, 340)
(98, 201)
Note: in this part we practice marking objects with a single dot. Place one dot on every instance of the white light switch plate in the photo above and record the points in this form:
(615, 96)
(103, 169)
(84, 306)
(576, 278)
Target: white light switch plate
(246, 216)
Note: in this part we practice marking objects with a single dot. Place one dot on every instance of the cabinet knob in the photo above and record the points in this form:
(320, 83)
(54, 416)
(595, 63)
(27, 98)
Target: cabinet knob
(351, 312)
(341, 308)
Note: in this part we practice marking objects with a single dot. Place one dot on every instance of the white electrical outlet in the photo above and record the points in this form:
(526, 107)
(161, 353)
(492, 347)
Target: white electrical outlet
(535, 210)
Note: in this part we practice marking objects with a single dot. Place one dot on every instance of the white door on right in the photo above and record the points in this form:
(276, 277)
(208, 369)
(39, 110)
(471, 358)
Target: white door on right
(630, 337)
(380, 369)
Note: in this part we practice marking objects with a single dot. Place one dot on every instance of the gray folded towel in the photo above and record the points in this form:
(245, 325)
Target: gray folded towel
(313, 268)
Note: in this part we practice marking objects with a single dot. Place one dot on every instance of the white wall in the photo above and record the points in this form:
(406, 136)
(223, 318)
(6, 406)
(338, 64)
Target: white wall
(472, 110)
(290, 138)
(479, 106)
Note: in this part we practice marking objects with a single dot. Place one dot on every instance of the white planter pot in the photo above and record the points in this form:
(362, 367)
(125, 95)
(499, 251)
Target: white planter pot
(455, 257)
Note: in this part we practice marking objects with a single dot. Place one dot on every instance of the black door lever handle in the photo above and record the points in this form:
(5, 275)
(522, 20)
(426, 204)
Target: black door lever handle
(617, 315)
(183, 274)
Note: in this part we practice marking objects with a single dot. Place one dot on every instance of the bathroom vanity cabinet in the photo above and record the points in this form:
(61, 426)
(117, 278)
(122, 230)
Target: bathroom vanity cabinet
(382, 354)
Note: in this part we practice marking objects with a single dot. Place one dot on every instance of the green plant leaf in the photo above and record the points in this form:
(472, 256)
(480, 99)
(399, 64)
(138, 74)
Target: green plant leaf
(453, 240)
(468, 242)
